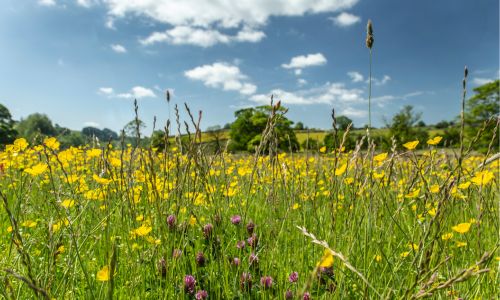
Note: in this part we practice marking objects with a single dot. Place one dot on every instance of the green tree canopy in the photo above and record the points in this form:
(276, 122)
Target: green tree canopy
(36, 125)
(403, 126)
(246, 131)
(7, 132)
(343, 122)
(480, 108)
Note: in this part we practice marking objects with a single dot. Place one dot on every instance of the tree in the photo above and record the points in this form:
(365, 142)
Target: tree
(483, 108)
(299, 126)
(7, 132)
(36, 125)
(246, 131)
(343, 122)
(403, 127)
(443, 124)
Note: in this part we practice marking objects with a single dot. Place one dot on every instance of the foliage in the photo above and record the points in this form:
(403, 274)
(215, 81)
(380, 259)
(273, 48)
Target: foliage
(343, 122)
(403, 127)
(246, 130)
(104, 135)
(7, 132)
(483, 107)
(36, 125)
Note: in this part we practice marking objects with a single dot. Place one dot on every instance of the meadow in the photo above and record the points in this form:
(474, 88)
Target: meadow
(104, 221)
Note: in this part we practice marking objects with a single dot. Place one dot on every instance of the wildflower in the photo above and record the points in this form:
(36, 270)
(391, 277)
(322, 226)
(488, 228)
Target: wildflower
(177, 253)
(322, 149)
(252, 241)
(253, 260)
(100, 180)
(341, 170)
(461, 244)
(236, 220)
(103, 274)
(201, 295)
(68, 203)
(327, 259)
(29, 224)
(434, 188)
(250, 228)
(189, 284)
(434, 141)
(447, 236)
(288, 295)
(171, 220)
(162, 267)
(405, 254)
(306, 296)
(200, 259)
(37, 169)
(266, 282)
(235, 262)
(296, 206)
(207, 230)
(413, 193)
(246, 281)
(192, 220)
(143, 230)
(482, 178)
(461, 228)
(52, 143)
(294, 276)
(240, 244)
(411, 145)
(380, 157)
(377, 258)
(464, 186)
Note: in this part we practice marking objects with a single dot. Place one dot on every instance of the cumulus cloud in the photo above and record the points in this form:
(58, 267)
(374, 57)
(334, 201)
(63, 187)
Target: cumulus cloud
(301, 81)
(376, 81)
(137, 92)
(192, 19)
(223, 76)
(330, 93)
(355, 76)
(47, 2)
(197, 36)
(300, 62)
(118, 48)
(481, 81)
(345, 19)
(92, 124)
(106, 91)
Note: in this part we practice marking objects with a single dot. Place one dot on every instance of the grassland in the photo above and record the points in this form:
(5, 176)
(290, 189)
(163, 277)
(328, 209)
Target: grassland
(94, 223)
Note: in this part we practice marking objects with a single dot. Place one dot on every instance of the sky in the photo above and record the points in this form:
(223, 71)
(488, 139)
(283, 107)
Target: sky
(83, 62)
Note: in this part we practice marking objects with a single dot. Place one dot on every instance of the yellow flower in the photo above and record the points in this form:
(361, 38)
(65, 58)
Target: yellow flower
(482, 178)
(432, 212)
(464, 186)
(36, 169)
(68, 203)
(435, 140)
(327, 259)
(322, 149)
(295, 206)
(405, 254)
(21, 144)
(139, 218)
(9, 229)
(51, 143)
(413, 193)
(434, 188)
(377, 258)
(411, 145)
(100, 180)
(447, 236)
(103, 274)
(341, 170)
(461, 244)
(462, 227)
(380, 157)
(143, 230)
(29, 224)
(192, 220)
(413, 246)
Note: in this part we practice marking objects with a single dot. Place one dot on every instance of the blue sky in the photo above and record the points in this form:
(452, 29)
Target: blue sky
(82, 62)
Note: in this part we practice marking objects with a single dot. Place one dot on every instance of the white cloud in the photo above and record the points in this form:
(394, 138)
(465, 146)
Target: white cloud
(91, 124)
(86, 3)
(105, 91)
(355, 76)
(481, 81)
(191, 20)
(118, 48)
(137, 92)
(330, 93)
(224, 76)
(345, 19)
(301, 81)
(304, 61)
(385, 79)
(197, 36)
(47, 2)
(353, 112)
